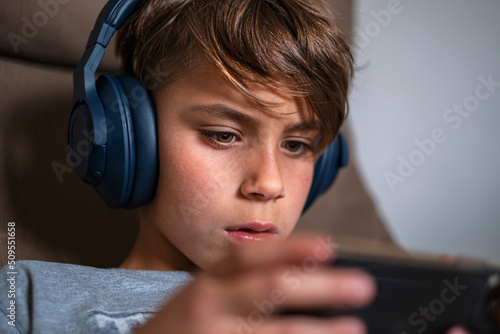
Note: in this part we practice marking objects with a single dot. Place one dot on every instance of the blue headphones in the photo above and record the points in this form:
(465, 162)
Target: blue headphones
(112, 127)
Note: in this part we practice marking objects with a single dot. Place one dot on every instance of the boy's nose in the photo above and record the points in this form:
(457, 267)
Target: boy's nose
(263, 180)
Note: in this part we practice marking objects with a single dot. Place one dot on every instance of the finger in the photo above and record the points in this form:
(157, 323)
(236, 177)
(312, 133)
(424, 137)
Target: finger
(288, 287)
(295, 250)
(446, 258)
(340, 287)
(301, 325)
(458, 330)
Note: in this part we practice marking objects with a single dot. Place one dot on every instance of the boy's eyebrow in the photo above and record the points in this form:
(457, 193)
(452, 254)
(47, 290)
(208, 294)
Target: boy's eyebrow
(312, 125)
(222, 110)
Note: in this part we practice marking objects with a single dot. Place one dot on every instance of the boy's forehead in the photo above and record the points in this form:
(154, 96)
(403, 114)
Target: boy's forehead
(205, 90)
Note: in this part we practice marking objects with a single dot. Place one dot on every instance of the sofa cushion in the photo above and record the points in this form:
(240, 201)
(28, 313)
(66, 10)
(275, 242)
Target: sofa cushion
(50, 31)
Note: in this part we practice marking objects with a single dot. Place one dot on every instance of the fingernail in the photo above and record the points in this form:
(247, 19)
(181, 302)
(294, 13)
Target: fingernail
(458, 330)
(363, 287)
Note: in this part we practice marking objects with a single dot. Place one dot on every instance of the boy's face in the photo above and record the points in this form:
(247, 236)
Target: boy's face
(230, 174)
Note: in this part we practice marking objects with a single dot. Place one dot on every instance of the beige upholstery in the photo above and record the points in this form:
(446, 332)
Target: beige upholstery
(59, 218)
(49, 34)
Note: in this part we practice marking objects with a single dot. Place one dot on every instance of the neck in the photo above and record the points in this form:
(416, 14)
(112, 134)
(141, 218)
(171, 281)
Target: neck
(152, 251)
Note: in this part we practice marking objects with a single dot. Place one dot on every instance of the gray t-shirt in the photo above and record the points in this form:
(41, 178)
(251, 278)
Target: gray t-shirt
(65, 298)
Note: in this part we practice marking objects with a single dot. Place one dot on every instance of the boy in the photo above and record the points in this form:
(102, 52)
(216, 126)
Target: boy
(251, 93)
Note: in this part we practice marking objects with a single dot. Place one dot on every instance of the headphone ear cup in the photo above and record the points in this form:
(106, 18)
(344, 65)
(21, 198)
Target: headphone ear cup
(131, 165)
(117, 179)
(326, 169)
(143, 116)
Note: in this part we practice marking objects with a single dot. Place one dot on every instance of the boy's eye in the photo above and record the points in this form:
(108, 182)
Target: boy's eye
(220, 139)
(224, 137)
(296, 147)
(293, 146)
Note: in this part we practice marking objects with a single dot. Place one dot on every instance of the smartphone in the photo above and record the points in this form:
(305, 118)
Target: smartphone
(425, 297)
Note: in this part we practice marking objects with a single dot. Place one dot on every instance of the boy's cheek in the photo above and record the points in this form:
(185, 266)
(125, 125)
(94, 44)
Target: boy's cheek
(192, 186)
(300, 184)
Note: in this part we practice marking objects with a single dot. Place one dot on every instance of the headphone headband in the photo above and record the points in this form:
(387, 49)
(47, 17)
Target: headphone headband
(112, 18)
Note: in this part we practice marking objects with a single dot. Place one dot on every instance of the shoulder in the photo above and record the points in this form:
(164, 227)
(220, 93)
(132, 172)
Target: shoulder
(47, 277)
(85, 296)
(39, 272)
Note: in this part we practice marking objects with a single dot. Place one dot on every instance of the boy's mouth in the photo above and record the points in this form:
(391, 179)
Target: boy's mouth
(254, 231)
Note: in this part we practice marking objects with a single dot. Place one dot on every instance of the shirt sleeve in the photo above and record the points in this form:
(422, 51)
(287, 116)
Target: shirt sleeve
(14, 317)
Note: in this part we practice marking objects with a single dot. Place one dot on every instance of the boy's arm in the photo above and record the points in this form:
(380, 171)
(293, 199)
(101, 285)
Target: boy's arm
(241, 294)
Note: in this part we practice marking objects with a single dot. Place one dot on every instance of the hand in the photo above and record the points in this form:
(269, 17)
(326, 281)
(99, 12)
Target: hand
(242, 293)
(458, 330)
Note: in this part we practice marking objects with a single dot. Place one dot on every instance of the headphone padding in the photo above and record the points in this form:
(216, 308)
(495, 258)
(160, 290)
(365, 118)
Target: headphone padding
(146, 146)
(119, 170)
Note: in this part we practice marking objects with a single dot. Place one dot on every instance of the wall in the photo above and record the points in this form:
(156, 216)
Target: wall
(425, 117)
